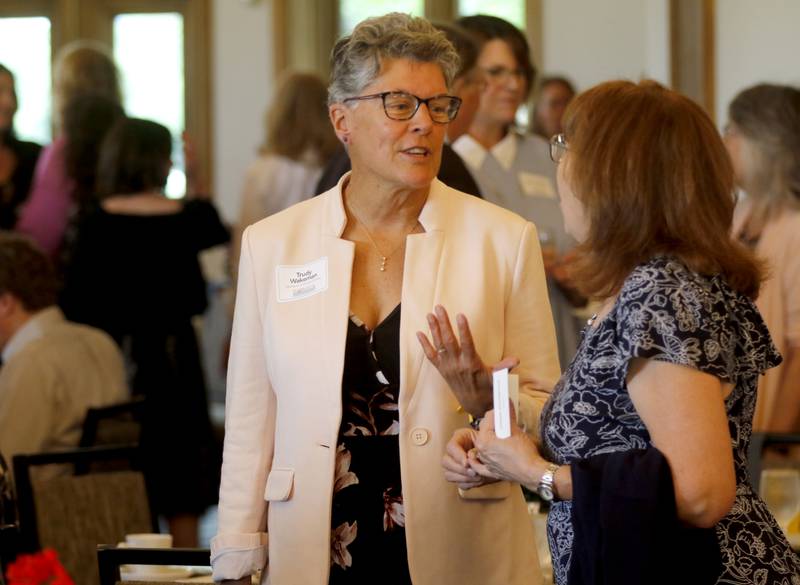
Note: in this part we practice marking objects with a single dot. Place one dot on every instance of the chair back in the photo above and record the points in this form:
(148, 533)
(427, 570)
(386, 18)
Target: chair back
(117, 424)
(73, 513)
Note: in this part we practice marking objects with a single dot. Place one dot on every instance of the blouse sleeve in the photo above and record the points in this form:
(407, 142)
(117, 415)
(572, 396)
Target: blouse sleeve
(666, 315)
(207, 229)
(45, 215)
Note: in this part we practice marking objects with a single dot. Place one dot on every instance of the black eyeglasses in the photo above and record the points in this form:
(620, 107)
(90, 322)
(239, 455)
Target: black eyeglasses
(399, 105)
(558, 147)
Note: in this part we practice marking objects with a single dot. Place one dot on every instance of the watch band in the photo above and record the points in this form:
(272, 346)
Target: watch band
(546, 487)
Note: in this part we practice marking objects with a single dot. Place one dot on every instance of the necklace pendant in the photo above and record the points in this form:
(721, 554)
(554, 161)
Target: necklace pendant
(383, 263)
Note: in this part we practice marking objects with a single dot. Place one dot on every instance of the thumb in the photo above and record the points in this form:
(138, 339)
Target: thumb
(507, 362)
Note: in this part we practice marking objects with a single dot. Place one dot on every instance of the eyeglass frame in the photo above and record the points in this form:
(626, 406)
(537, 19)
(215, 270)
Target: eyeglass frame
(418, 99)
(558, 147)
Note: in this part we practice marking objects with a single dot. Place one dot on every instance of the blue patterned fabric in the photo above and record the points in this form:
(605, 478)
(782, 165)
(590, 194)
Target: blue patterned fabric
(666, 312)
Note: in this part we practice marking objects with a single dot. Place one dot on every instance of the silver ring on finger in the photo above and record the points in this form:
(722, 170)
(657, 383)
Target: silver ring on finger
(442, 350)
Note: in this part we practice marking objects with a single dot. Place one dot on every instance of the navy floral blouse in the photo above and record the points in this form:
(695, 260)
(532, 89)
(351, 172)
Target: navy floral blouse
(368, 539)
(666, 312)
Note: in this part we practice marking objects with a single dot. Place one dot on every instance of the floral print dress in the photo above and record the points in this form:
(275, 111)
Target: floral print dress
(368, 539)
(666, 312)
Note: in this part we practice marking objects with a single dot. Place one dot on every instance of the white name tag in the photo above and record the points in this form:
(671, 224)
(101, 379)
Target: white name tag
(536, 185)
(506, 387)
(300, 282)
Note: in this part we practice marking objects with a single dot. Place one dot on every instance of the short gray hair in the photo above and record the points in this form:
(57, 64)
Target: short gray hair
(356, 59)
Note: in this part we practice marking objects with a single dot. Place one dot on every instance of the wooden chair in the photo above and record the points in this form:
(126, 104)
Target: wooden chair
(74, 512)
(759, 442)
(109, 559)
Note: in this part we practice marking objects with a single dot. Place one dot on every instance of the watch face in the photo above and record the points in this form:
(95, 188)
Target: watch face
(546, 493)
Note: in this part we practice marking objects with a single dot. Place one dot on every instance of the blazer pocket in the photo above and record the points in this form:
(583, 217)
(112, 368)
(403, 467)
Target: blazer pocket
(279, 484)
(493, 491)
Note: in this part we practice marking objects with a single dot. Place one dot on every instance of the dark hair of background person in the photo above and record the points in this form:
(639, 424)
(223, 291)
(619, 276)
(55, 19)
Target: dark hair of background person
(86, 120)
(7, 135)
(489, 28)
(536, 126)
(134, 158)
(297, 122)
(26, 272)
(654, 177)
(466, 44)
(768, 117)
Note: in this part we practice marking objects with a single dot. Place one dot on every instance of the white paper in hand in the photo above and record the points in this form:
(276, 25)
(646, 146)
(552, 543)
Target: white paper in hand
(502, 416)
(506, 386)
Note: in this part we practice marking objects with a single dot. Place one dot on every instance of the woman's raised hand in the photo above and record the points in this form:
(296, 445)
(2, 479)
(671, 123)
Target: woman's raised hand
(458, 362)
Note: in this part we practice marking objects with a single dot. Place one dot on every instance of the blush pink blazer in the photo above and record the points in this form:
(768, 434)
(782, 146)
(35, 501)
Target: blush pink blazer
(284, 391)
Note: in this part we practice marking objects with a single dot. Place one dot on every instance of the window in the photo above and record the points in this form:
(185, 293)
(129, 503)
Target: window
(148, 49)
(510, 10)
(161, 48)
(351, 12)
(31, 69)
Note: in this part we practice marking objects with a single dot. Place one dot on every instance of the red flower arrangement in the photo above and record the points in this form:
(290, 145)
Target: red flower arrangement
(42, 568)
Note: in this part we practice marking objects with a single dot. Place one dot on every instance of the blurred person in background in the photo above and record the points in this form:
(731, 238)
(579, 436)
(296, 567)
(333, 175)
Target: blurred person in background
(555, 94)
(135, 274)
(299, 143)
(52, 370)
(467, 86)
(17, 157)
(763, 140)
(513, 169)
(82, 68)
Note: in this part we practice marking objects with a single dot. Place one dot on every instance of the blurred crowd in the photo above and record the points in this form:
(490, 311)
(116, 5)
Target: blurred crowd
(100, 282)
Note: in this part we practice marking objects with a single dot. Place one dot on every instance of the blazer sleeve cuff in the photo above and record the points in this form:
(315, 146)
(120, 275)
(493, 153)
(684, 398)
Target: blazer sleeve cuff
(238, 555)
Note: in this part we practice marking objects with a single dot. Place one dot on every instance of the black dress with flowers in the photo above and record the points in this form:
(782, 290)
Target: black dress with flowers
(368, 538)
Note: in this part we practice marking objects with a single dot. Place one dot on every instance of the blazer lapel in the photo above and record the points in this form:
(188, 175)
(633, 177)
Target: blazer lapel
(335, 303)
(420, 280)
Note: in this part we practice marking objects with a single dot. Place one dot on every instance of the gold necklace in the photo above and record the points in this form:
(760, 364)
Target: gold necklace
(384, 257)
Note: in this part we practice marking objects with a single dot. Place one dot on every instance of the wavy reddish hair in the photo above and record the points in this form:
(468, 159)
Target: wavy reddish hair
(655, 179)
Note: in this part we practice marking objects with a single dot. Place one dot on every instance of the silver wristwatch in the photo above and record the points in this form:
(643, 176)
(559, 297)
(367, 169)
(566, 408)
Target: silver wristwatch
(545, 487)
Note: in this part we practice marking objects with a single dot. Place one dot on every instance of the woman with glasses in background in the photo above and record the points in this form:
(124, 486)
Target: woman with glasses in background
(336, 423)
(513, 168)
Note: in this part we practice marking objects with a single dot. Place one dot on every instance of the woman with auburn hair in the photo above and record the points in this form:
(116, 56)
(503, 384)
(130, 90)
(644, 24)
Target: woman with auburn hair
(657, 405)
(763, 139)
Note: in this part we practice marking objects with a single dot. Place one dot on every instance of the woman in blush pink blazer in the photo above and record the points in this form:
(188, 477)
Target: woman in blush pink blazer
(336, 423)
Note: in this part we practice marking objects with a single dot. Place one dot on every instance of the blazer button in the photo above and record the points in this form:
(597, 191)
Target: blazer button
(419, 436)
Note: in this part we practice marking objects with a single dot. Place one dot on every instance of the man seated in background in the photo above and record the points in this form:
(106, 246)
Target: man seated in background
(52, 370)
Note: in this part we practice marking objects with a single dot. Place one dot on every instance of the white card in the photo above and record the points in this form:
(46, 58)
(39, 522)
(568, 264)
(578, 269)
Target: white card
(534, 185)
(506, 386)
(301, 281)
(502, 415)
